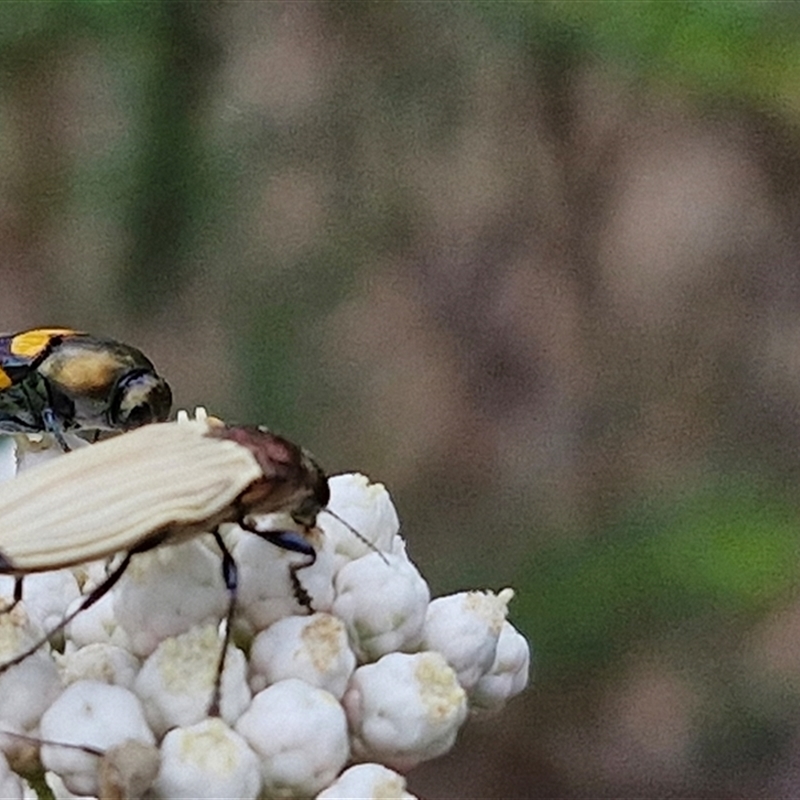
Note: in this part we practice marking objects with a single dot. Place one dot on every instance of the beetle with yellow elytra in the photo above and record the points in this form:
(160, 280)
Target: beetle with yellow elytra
(57, 379)
(161, 484)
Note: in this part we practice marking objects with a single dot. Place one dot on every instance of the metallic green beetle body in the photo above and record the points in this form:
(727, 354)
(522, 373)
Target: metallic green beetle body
(57, 379)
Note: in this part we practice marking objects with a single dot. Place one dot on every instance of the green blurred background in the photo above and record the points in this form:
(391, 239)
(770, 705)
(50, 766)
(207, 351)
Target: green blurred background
(536, 266)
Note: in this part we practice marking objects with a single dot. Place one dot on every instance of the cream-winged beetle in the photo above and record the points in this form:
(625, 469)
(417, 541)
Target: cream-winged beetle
(57, 379)
(180, 479)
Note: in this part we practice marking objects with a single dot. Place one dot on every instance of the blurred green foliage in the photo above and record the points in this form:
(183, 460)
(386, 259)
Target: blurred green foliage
(734, 48)
(722, 552)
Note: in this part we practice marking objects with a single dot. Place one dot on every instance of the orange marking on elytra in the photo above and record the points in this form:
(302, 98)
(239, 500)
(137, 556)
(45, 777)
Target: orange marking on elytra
(31, 343)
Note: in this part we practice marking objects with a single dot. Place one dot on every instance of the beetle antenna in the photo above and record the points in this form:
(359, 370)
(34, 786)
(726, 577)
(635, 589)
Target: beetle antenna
(359, 536)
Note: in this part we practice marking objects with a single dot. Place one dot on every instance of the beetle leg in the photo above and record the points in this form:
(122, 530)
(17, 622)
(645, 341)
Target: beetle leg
(286, 540)
(298, 590)
(230, 574)
(52, 425)
(296, 543)
(17, 590)
(17, 596)
(88, 601)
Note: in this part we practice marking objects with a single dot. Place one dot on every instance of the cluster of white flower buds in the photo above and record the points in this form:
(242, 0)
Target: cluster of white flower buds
(338, 702)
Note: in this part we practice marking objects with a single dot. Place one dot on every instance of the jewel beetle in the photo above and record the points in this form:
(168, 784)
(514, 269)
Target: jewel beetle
(160, 484)
(57, 379)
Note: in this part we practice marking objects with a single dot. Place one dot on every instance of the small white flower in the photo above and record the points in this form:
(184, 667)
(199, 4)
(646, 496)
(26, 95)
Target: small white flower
(382, 600)
(90, 714)
(176, 682)
(464, 628)
(29, 687)
(99, 662)
(266, 592)
(314, 649)
(300, 735)
(404, 709)
(168, 590)
(46, 595)
(365, 506)
(207, 760)
(96, 625)
(367, 782)
(508, 675)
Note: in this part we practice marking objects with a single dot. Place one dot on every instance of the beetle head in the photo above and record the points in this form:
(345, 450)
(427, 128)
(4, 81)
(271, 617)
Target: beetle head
(139, 398)
(291, 481)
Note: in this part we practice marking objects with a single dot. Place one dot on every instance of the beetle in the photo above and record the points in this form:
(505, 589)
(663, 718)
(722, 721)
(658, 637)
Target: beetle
(57, 379)
(160, 484)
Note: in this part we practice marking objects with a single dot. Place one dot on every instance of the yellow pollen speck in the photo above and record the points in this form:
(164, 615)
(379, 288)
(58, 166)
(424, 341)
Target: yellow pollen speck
(491, 607)
(12, 630)
(389, 789)
(210, 748)
(439, 690)
(189, 661)
(322, 639)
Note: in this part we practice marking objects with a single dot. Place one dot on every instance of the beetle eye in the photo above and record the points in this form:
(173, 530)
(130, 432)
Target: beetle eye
(141, 398)
(306, 512)
(140, 415)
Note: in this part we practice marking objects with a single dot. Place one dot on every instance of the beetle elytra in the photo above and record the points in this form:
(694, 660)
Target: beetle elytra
(160, 484)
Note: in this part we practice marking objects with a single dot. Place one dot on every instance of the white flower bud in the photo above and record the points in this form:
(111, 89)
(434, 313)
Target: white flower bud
(96, 625)
(7, 584)
(102, 662)
(365, 506)
(313, 649)
(48, 595)
(266, 592)
(383, 604)
(367, 782)
(89, 714)
(509, 673)
(17, 630)
(300, 736)
(404, 709)
(207, 760)
(176, 682)
(167, 591)
(29, 687)
(464, 628)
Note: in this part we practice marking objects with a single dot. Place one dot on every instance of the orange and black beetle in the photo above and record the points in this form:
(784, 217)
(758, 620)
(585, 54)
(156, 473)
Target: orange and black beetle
(57, 379)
